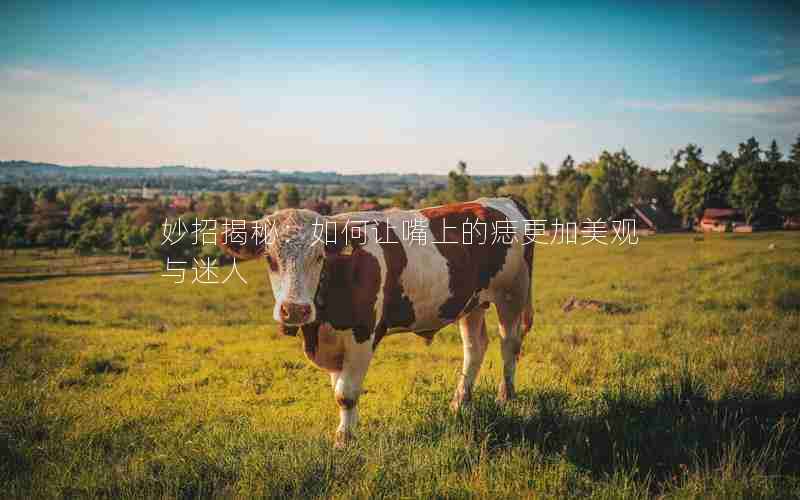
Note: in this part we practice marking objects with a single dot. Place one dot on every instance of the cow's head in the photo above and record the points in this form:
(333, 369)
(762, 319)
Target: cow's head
(294, 260)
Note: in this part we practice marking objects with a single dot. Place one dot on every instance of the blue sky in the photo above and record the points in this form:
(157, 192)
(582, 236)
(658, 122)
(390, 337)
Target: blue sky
(415, 87)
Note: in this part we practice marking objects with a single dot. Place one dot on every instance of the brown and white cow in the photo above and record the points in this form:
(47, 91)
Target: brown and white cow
(346, 289)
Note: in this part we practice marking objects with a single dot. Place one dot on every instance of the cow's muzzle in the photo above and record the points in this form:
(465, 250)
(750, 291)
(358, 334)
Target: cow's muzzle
(295, 314)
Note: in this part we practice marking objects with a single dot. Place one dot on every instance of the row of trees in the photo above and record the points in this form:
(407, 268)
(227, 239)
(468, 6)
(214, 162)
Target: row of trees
(762, 184)
(88, 221)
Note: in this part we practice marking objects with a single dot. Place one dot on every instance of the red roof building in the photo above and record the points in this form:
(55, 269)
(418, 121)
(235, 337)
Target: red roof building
(181, 203)
(369, 206)
(721, 220)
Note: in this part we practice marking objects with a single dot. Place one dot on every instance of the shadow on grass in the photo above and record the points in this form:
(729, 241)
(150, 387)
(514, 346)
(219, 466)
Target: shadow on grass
(657, 435)
(653, 437)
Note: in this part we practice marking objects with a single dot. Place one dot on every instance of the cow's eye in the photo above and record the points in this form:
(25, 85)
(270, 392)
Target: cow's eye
(272, 264)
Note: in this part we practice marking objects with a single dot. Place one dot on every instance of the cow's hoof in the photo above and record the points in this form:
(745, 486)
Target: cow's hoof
(458, 402)
(505, 393)
(342, 439)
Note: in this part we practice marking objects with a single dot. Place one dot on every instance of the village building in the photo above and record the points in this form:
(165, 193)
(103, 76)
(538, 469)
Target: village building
(651, 218)
(181, 203)
(721, 220)
(370, 206)
(791, 222)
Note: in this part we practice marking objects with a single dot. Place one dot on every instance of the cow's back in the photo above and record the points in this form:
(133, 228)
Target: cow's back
(464, 260)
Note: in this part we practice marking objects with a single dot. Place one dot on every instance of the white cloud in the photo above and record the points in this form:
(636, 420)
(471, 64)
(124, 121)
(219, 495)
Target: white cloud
(773, 106)
(767, 78)
(789, 74)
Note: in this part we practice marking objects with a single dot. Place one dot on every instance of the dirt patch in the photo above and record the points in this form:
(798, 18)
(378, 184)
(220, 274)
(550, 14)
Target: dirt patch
(573, 303)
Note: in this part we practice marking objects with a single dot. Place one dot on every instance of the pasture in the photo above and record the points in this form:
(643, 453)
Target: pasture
(132, 386)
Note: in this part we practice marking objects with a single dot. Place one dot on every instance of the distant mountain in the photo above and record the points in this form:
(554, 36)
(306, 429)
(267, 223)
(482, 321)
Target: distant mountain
(180, 177)
(14, 169)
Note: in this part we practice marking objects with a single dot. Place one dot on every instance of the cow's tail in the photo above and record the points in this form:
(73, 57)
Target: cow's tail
(527, 310)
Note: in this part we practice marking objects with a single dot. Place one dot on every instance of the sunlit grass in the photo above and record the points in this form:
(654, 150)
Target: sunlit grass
(132, 386)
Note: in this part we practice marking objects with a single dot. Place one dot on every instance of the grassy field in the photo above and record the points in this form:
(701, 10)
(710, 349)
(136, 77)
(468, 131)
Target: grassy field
(131, 386)
(26, 265)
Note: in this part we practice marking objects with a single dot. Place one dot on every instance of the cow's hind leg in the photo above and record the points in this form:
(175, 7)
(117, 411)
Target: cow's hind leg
(347, 386)
(475, 341)
(510, 314)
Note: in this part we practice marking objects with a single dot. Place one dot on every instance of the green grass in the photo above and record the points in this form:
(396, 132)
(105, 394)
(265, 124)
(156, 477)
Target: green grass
(131, 386)
(37, 264)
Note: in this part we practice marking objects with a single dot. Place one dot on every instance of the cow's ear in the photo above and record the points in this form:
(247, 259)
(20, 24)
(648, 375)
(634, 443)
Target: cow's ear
(244, 241)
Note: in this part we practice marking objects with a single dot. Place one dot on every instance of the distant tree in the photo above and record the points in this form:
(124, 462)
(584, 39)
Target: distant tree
(773, 155)
(269, 199)
(214, 209)
(568, 198)
(251, 211)
(489, 188)
(615, 174)
(791, 167)
(593, 204)
(48, 225)
(402, 199)
(84, 210)
(48, 194)
(570, 184)
(749, 152)
(289, 196)
(516, 180)
(435, 197)
(750, 189)
(794, 155)
(458, 183)
(745, 193)
(233, 205)
(68, 197)
(686, 162)
(128, 237)
(692, 184)
(773, 176)
(720, 178)
(149, 213)
(692, 195)
(789, 200)
(648, 186)
(566, 170)
(14, 206)
(93, 236)
(9, 200)
(540, 195)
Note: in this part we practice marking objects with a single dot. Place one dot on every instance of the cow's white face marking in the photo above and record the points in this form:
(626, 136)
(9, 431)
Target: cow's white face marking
(295, 263)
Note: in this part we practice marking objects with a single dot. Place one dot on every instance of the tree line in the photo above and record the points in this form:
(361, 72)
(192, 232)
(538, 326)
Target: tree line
(761, 183)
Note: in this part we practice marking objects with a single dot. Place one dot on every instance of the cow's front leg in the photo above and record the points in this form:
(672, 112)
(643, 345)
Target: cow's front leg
(347, 386)
(475, 340)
